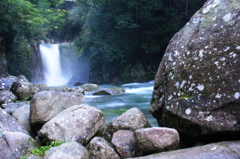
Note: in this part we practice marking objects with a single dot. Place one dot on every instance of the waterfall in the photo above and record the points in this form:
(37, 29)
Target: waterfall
(52, 66)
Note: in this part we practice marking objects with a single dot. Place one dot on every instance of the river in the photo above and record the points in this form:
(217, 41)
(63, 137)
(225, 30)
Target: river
(136, 95)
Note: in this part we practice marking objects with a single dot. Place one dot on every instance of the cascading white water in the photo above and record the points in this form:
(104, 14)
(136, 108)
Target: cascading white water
(51, 63)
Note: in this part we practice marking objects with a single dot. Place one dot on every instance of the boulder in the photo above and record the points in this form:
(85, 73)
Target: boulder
(7, 82)
(197, 86)
(76, 89)
(63, 88)
(14, 139)
(7, 97)
(77, 123)
(9, 123)
(15, 144)
(22, 116)
(45, 105)
(156, 139)
(68, 150)
(99, 148)
(110, 91)
(89, 87)
(43, 87)
(23, 89)
(228, 150)
(124, 143)
(132, 119)
(11, 107)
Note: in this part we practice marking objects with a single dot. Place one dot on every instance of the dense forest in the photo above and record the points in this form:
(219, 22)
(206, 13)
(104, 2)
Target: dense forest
(121, 31)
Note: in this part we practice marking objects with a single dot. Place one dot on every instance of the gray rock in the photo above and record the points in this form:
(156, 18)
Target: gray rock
(15, 144)
(226, 150)
(43, 87)
(89, 87)
(156, 139)
(63, 88)
(7, 97)
(9, 123)
(99, 148)
(22, 115)
(45, 105)
(23, 89)
(196, 89)
(68, 150)
(132, 119)
(77, 123)
(76, 89)
(11, 107)
(7, 82)
(124, 143)
(110, 91)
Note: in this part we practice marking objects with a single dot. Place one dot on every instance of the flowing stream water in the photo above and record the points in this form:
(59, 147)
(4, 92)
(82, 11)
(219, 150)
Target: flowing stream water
(136, 95)
(52, 66)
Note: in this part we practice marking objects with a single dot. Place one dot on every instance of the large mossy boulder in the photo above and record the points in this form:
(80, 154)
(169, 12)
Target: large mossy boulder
(197, 86)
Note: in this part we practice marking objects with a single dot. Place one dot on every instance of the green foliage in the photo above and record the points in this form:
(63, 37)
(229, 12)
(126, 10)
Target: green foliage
(185, 96)
(117, 111)
(128, 30)
(40, 151)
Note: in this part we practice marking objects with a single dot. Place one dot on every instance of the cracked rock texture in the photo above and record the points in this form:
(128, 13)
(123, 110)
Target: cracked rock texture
(197, 86)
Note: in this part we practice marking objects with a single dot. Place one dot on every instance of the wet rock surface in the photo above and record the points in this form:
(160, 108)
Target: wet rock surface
(196, 89)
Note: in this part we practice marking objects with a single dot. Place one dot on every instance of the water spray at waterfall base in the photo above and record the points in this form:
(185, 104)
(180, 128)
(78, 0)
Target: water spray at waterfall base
(52, 66)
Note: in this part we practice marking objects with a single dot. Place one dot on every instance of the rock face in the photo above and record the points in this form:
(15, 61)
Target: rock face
(99, 148)
(228, 150)
(45, 105)
(3, 60)
(152, 140)
(104, 71)
(132, 119)
(77, 123)
(196, 89)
